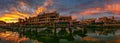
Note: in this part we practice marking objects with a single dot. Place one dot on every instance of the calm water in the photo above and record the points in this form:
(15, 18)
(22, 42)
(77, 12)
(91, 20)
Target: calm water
(13, 37)
(113, 37)
(94, 37)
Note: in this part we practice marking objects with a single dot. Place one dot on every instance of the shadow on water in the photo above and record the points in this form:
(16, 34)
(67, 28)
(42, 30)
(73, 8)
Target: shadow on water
(82, 35)
(88, 35)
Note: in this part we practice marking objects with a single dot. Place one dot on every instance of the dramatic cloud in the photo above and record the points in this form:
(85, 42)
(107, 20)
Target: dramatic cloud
(92, 11)
(108, 8)
(11, 10)
(114, 8)
(12, 15)
(23, 10)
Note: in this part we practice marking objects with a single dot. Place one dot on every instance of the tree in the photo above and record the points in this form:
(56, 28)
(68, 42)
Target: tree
(62, 33)
(81, 33)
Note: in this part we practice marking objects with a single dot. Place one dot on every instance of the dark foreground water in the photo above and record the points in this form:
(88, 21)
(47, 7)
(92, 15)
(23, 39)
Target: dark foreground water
(102, 37)
(13, 37)
(105, 36)
(92, 37)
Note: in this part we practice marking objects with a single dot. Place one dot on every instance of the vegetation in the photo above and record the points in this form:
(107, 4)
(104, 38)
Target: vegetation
(52, 35)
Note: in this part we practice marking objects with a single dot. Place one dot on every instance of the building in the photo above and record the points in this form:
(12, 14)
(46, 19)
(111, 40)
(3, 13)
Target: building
(47, 19)
(2, 23)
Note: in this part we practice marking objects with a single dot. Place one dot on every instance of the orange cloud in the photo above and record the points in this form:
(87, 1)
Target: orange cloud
(91, 11)
(114, 8)
(43, 8)
(12, 16)
(13, 13)
(39, 10)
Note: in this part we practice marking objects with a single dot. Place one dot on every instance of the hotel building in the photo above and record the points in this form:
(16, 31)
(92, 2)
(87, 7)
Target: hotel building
(47, 19)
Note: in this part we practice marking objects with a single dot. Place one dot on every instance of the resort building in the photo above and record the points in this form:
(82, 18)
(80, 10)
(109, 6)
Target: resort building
(2, 23)
(47, 19)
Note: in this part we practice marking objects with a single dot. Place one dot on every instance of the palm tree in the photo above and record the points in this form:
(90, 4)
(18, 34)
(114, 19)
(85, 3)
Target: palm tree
(81, 33)
(62, 33)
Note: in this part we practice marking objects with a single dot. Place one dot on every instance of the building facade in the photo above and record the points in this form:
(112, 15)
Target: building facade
(48, 19)
(2, 23)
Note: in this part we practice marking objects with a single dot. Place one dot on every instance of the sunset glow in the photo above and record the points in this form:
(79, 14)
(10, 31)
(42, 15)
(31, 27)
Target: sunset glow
(14, 14)
(25, 9)
(58, 21)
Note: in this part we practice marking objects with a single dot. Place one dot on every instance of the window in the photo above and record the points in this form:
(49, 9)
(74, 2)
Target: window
(52, 16)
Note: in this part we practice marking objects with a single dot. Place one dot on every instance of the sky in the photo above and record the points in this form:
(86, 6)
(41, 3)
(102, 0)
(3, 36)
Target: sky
(11, 10)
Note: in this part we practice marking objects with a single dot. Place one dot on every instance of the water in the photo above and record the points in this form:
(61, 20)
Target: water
(101, 38)
(13, 37)
(93, 37)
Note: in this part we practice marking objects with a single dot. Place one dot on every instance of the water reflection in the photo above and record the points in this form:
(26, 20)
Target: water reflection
(105, 35)
(98, 35)
(13, 37)
(88, 35)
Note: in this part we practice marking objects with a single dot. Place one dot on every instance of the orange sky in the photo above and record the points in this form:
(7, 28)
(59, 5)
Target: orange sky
(114, 8)
(14, 14)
